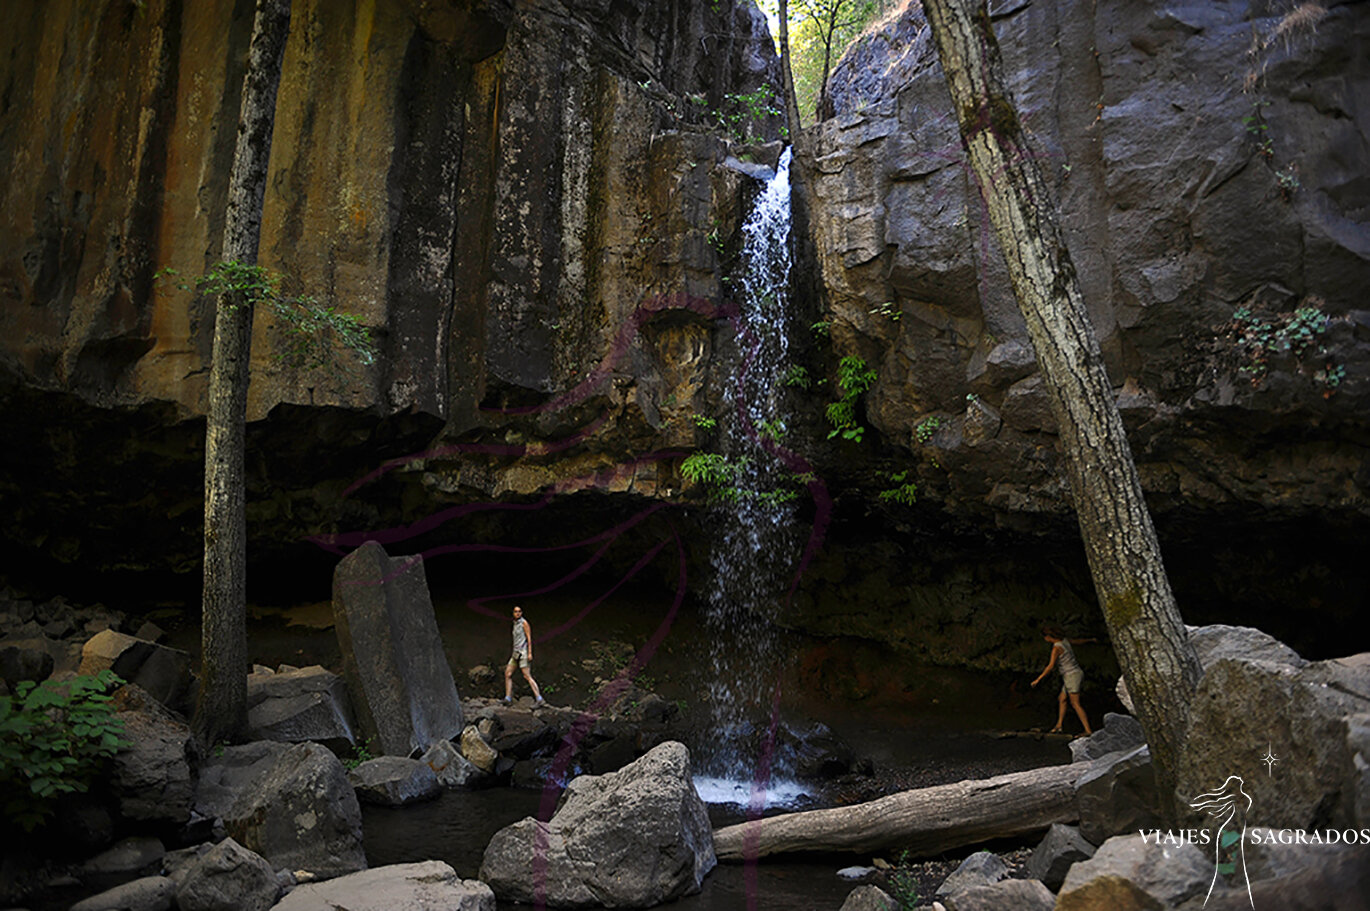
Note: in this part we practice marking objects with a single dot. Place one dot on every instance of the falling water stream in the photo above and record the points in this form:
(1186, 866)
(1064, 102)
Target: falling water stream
(753, 547)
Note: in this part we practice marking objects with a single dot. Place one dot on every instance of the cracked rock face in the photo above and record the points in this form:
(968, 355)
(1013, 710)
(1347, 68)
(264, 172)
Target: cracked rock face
(1232, 187)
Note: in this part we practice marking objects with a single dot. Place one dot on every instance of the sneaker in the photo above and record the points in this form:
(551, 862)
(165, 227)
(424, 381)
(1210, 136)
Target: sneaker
(539, 702)
(508, 700)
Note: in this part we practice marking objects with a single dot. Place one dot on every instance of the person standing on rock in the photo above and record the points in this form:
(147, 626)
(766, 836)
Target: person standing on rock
(523, 658)
(1072, 675)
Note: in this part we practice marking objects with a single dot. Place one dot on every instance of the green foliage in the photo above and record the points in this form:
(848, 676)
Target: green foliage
(854, 377)
(1256, 339)
(903, 883)
(811, 23)
(771, 430)
(708, 468)
(904, 493)
(820, 328)
(889, 309)
(360, 753)
(54, 739)
(927, 427)
(745, 114)
(798, 376)
(312, 331)
(703, 421)
(1259, 130)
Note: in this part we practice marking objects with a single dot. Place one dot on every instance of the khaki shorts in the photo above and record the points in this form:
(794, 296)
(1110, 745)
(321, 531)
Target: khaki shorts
(1071, 682)
(519, 660)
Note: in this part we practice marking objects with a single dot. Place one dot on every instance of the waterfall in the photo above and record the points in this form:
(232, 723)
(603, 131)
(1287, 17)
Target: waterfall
(753, 547)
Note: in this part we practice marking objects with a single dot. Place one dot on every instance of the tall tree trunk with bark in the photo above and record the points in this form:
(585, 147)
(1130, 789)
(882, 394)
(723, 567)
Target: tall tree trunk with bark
(221, 713)
(786, 73)
(1158, 663)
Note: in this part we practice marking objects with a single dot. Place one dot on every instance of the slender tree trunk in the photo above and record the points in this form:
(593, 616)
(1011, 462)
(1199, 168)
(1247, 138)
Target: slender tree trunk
(786, 73)
(221, 713)
(1158, 663)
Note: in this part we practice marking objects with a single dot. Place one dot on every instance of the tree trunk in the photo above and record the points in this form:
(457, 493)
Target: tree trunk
(786, 73)
(925, 822)
(1153, 648)
(221, 713)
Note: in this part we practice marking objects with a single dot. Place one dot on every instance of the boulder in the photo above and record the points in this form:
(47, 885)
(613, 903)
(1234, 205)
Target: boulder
(1119, 733)
(227, 877)
(130, 855)
(983, 868)
(25, 659)
(856, 873)
(1118, 795)
(629, 839)
(1244, 709)
(393, 781)
(452, 769)
(521, 734)
(163, 672)
(1009, 895)
(1127, 872)
(1062, 847)
(301, 814)
(151, 893)
(310, 703)
(152, 771)
(177, 864)
(477, 751)
(1340, 882)
(400, 887)
(1218, 641)
(869, 898)
(1272, 853)
(397, 675)
(229, 771)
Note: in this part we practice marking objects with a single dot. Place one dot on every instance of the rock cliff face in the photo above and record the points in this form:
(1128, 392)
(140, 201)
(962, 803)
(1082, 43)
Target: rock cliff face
(516, 197)
(1209, 160)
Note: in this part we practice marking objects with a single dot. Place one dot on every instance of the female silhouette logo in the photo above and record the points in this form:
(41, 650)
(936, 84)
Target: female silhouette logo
(1229, 846)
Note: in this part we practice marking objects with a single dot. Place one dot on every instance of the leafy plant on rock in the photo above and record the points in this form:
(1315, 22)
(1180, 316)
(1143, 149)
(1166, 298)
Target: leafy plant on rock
(905, 492)
(55, 738)
(854, 377)
(1256, 339)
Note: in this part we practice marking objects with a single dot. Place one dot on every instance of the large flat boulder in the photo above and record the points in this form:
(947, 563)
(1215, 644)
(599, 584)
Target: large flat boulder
(629, 839)
(293, 706)
(397, 675)
(424, 886)
(300, 813)
(1130, 872)
(394, 781)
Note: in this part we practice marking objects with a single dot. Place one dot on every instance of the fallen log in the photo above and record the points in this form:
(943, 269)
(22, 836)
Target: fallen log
(926, 821)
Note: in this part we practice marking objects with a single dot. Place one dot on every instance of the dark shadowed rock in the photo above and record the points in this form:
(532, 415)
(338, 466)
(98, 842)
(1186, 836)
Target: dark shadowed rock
(163, 672)
(1300, 713)
(397, 675)
(1062, 847)
(130, 855)
(452, 769)
(1340, 882)
(310, 703)
(1118, 795)
(1119, 733)
(1009, 895)
(301, 814)
(151, 893)
(1136, 874)
(227, 877)
(630, 839)
(423, 886)
(225, 773)
(25, 659)
(983, 868)
(152, 771)
(869, 898)
(394, 781)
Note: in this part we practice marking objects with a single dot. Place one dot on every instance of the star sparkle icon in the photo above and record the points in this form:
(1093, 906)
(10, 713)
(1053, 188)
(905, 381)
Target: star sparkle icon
(1269, 759)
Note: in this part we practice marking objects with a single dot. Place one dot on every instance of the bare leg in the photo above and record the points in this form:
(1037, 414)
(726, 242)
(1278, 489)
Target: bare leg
(1061, 716)
(1075, 702)
(508, 681)
(527, 675)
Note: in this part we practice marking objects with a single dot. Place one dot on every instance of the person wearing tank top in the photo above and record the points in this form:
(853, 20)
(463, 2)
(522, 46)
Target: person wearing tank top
(1072, 676)
(521, 658)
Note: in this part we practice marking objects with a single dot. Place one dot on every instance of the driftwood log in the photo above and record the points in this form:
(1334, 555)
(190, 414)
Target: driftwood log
(926, 821)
